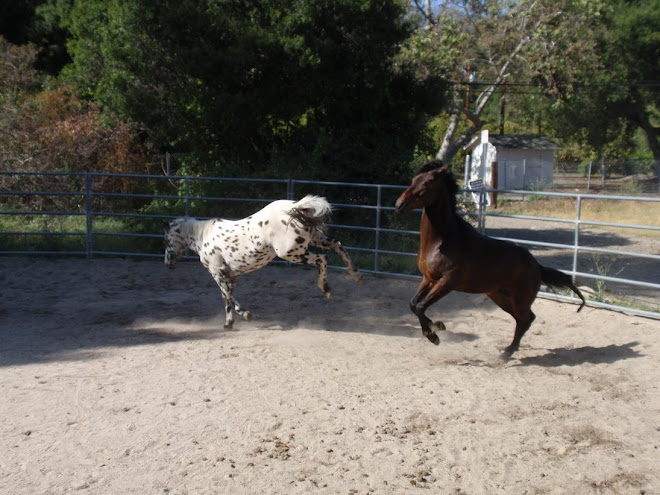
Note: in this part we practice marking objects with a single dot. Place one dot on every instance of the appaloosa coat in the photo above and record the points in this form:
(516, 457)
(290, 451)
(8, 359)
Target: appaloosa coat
(230, 248)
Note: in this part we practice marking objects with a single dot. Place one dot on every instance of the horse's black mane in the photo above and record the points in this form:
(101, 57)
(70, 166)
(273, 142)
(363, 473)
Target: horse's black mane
(448, 180)
(428, 166)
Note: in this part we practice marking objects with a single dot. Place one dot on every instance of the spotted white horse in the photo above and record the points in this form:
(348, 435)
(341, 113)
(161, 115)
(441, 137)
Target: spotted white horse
(230, 248)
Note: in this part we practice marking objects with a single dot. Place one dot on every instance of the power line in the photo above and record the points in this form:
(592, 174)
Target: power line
(636, 84)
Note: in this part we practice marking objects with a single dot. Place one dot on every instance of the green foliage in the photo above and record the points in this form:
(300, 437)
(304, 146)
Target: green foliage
(350, 90)
(613, 98)
(304, 87)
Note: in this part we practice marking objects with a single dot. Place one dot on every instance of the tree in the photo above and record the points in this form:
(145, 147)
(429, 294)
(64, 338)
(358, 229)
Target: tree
(494, 44)
(243, 84)
(17, 79)
(20, 24)
(619, 92)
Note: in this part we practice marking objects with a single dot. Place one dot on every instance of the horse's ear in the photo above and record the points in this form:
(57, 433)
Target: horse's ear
(166, 225)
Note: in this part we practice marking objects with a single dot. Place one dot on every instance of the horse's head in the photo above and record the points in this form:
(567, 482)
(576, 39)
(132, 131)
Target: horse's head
(175, 244)
(432, 182)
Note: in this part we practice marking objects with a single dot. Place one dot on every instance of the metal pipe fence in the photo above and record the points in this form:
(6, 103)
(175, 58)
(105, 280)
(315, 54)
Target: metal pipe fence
(64, 214)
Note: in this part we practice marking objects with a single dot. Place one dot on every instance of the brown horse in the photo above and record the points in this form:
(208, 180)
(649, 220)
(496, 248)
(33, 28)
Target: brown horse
(454, 256)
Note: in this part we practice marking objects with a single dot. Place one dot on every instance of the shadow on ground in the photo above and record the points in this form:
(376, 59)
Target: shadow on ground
(582, 355)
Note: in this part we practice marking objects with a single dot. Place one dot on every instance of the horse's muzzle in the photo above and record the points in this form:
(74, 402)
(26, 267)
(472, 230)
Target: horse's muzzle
(400, 206)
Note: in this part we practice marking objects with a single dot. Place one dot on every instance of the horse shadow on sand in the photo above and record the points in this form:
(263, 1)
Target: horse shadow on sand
(564, 356)
(281, 301)
(380, 306)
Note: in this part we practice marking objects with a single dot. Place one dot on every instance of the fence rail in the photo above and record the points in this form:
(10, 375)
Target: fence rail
(381, 242)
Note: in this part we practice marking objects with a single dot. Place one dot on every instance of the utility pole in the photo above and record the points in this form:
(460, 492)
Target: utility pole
(502, 110)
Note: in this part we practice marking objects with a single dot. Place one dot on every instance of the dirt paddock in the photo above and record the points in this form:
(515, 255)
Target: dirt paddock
(116, 377)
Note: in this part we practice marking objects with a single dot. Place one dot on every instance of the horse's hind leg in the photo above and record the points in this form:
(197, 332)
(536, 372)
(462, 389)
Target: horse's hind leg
(522, 325)
(322, 241)
(318, 260)
(521, 312)
(428, 293)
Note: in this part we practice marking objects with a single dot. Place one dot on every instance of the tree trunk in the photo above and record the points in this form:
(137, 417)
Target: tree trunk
(642, 117)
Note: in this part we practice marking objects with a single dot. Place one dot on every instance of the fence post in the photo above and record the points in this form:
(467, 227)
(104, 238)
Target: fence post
(482, 211)
(289, 189)
(524, 184)
(186, 184)
(493, 184)
(376, 254)
(576, 241)
(89, 204)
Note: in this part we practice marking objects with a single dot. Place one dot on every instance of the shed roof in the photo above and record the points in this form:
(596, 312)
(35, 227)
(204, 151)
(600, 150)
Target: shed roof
(522, 141)
(518, 141)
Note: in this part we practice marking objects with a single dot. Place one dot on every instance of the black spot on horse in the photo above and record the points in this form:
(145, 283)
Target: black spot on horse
(261, 224)
(300, 240)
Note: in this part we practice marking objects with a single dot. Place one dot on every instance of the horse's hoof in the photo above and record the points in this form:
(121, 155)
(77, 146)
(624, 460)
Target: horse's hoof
(438, 326)
(229, 326)
(327, 294)
(247, 316)
(433, 338)
(359, 279)
(506, 355)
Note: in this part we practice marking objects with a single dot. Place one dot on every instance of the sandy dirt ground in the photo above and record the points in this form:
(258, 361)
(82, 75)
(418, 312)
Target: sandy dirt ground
(116, 377)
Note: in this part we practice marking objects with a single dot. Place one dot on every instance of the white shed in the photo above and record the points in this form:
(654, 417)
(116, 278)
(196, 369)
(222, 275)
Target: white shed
(523, 161)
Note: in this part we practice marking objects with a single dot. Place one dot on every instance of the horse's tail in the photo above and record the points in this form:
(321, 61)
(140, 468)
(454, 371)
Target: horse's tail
(311, 212)
(555, 278)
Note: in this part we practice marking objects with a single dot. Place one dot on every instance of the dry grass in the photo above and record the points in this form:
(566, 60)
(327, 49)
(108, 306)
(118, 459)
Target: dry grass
(598, 210)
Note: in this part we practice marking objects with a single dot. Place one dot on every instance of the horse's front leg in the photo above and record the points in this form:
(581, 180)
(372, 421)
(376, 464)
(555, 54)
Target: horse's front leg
(244, 313)
(228, 296)
(427, 293)
(227, 285)
(324, 242)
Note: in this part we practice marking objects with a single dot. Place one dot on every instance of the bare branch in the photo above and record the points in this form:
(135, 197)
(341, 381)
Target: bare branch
(425, 13)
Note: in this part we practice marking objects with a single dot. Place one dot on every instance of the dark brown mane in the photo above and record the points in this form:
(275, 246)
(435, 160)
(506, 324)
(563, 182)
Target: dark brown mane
(448, 180)
(428, 166)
